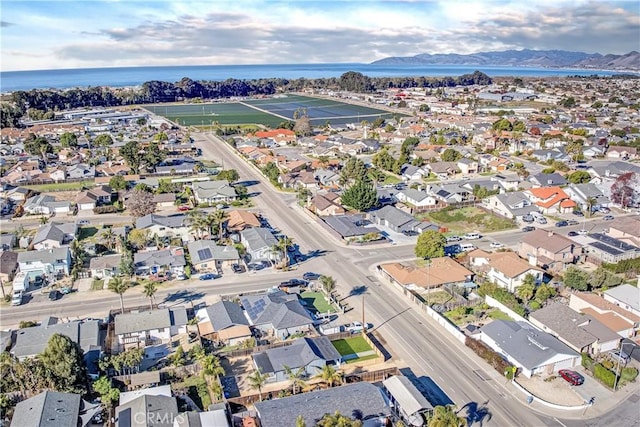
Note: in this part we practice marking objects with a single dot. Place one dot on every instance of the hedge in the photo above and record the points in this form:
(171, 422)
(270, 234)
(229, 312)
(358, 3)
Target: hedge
(490, 356)
(604, 375)
(629, 374)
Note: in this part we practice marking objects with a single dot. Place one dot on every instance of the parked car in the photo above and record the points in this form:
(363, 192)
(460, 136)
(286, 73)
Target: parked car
(578, 213)
(184, 208)
(528, 218)
(454, 239)
(619, 357)
(16, 298)
(608, 217)
(604, 210)
(562, 224)
(295, 282)
(573, 234)
(83, 222)
(542, 220)
(181, 277)
(472, 236)
(256, 266)
(310, 276)
(357, 327)
(237, 268)
(55, 295)
(410, 233)
(583, 232)
(528, 228)
(496, 245)
(572, 377)
(572, 222)
(208, 276)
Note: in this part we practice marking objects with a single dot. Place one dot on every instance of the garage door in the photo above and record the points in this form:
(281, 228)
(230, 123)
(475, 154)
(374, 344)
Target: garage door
(564, 364)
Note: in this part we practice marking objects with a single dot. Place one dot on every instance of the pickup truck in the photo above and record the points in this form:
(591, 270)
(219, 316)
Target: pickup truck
(356, 327)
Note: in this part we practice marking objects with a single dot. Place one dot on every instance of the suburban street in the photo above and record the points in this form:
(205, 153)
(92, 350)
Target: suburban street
(413, 339)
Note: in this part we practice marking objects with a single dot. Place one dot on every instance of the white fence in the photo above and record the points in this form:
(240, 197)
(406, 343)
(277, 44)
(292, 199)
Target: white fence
(497, 304)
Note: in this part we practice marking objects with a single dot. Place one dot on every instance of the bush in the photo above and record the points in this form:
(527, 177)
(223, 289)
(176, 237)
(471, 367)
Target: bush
(490, 356)
(105, 209)
(604, 375)
(629, 374)
(534, 305)
(587, 361)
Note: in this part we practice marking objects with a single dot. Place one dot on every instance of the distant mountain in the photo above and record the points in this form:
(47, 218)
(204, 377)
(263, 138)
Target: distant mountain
(523, 58)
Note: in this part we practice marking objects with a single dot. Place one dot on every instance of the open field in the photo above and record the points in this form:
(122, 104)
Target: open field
(268, 112)
(469, 219)
(60, 186)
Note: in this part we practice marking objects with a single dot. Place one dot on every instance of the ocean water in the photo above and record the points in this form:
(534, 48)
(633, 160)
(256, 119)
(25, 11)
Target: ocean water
(134, 76)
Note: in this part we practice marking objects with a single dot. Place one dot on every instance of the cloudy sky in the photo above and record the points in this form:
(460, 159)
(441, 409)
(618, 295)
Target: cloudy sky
(84, 34)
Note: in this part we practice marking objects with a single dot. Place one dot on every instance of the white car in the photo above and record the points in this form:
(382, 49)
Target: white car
(472, 236)
(16, 299)
(583, 232)
(496, 245)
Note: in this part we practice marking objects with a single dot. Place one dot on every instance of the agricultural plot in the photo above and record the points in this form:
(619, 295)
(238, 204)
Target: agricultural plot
(268, 112)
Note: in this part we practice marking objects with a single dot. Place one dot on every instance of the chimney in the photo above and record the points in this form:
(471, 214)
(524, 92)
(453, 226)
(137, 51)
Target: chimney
(549, 233)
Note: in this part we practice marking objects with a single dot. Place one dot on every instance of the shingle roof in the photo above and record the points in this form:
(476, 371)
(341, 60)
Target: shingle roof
(527, 345)
(170, 221)
(626, 293)
(297, 355)
(48, 409)
(33, 341)
(159, 411)
(46, 255)
(441, 271)
(208, 250)
(105, 261)
(363, 398)
(258, 238)
(547, 240)
(278, 308)
(144, 321)
(225, 314)
(161, 257)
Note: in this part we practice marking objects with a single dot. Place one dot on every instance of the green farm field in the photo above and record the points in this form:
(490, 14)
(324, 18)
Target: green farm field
(229, 113)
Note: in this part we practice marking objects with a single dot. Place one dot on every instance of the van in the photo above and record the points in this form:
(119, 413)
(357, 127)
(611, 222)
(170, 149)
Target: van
(466, 247)
(16, 299)
(472, 236)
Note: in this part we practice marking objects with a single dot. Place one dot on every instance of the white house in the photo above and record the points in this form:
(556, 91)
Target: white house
(172, 226)
(625, 296)
(506, 269)
(150, 328)
(52, 263)
(416, 198)
(213, 192)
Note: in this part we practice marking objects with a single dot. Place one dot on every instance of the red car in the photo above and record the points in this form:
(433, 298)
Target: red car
(572, 377)
(184, 208)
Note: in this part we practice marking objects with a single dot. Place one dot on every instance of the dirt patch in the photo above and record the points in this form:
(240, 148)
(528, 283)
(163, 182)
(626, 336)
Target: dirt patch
(556, 391)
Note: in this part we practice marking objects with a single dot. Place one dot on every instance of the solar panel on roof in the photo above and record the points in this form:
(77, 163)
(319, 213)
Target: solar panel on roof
(204, 253)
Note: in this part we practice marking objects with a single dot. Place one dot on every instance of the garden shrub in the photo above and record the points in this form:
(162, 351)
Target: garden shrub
(604, 375)
(490, 356)
(629, 374)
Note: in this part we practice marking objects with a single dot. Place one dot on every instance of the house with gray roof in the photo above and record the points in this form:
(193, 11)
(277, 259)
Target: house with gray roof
(54, 235)
(412, 173)
(308, 354)
(148, 411)
(157, 261)
(225, 321)
(363, 401)
(43, 204)
(548, 180)
(32, 341)
(582, 332)
(8, 266)
(7, 241)
(171, 226)
(416, 198)
(277, 313)
(349, 225)
(81, 171)
(52, 263)
(259, 242)
(214, 192)
(625, 296)
(604, 248)
(105, 265)
(206, 255)
(399, 221)
(450, 193)
(150, 328)
(533, 351)
(54, 409)
(581, 193)
(510, 205)
(605, 170)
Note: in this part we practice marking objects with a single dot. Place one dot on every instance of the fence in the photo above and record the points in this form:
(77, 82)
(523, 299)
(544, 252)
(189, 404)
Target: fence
(497, 304)
(257, 349)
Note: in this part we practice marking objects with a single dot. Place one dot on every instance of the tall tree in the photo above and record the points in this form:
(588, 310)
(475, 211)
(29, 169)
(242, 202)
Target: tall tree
(328, 284)
(153, 156)
(140, 203)
(133, 155)
(68, 139)
(103, 140)
(296, 377)
(109, 394)
(149, 291)
(450, 155)
(257, 380)
(330, 375)
(446, 416)
(62, 359)
(109, 238)
(117, 183)
(361, 196)
(283, 245)
(576, 278)
(119, 286)
(353, 170)
(430, 244)
(230, 175)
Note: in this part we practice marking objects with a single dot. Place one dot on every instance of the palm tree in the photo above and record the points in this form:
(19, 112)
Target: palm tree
(526, 291)
(219, 217)
(119, 286)
(328, 284)
(446, 416)
(77, 252)
(590, 202)
(109, 238)
(149, 291)
(338, 420)
(211, 365)
(376, 175)
(295, 376)
(283, 245)
(256, 381)
(329, 375)
(158, 241)
(196, 221)
(44, 219)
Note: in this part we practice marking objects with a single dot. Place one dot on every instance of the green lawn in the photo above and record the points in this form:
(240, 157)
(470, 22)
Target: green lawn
(87, 232)
(61, 186)
(469, 219)
(318, 301)
(351, 346)
(360, 359)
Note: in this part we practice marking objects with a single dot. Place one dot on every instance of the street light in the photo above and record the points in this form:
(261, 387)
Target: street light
(428, 260)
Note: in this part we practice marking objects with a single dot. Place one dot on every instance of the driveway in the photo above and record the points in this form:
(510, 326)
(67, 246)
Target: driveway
(592, 388)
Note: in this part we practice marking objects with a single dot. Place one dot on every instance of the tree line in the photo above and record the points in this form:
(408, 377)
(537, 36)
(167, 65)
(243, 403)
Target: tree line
(155, 91)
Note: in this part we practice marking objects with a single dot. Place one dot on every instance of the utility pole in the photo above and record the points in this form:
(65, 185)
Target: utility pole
(428, 282)
(364, 325)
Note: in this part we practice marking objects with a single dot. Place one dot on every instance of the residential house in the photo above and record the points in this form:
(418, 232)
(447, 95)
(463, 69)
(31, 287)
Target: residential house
(615, 152)
(585, 194)
(581, 332)
(443, 170)
(510, 205)
(626, 229)
(259, 243)
(624, 296)
(498, 164)
(548, 250)
(506, 269)
(277, 313)
(8, 266)
(16, 194)
(551, 200)
(533, 351)
(310, 355)
(7, 241)
(170, 260)
(399, 221)
(206, 255)
(105, 266)
(623, 322)
(81, 171)
(224, 322)
(30, 342)
(177, 167)
(610, 170)
(508, 181)
(43, 204)
(327, 177)
(54, 409)
(407, 402)
(409, 172)
(172, 226)
(416, 198)
(54, 235)
(600, 247)
(213, 192)
(363, 398)
(148, 411)
(239, 220)
(323, 205)
(97, 196)
(440, 271)
(51, 263)
(550, 154)
(467, 166)
(154, 328)
(348, 226)
(450, 193)
(164, 200)
(548, 180)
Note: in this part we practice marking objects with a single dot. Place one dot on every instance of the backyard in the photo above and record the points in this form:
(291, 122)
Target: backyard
(317, 302)
(350, 347)
(464, 220)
